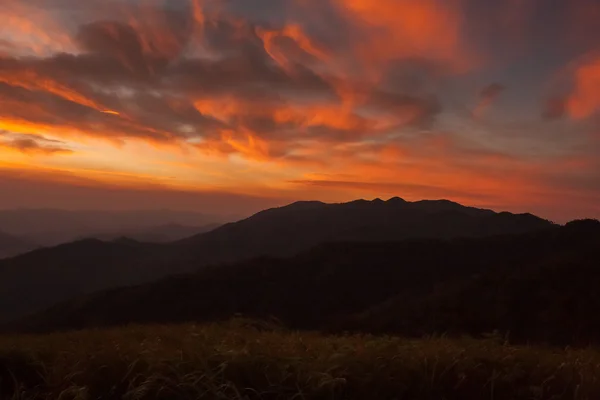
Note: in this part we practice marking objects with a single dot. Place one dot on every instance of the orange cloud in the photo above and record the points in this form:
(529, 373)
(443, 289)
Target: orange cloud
(274, 43)
(142, 57)
(585, 98)
(160, 35)
(31, 30)
(391, 29)
(248, 145)
(23, 126)
(32, 81)
(440, 166)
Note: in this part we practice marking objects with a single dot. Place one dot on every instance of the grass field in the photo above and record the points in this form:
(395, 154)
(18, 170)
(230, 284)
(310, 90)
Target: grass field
(243, 360)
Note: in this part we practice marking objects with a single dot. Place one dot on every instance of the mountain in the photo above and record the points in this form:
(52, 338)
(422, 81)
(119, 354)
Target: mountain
(158, 234)
(552, 300)
(11, 246)
(40, 279)
(288, 230)
(52, 227)
(539, 287)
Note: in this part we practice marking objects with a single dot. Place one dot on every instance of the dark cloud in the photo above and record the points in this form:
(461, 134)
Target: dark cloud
(251, 76)
(144, 53)
(491, 91)
(554, 108)
(414, 75)
(31, 143)
(423, 109)
(487, 96)
(119, 42)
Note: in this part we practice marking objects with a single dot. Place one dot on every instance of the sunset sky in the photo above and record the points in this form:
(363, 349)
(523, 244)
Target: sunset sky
(235, 105)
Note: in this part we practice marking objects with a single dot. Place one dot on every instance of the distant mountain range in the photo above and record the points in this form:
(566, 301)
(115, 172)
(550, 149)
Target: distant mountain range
(158, 234)
(47, 227)
(37, 280)
(538, 286)
(11, 245)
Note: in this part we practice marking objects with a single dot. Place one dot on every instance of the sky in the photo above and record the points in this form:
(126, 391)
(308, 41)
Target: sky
(230, 106)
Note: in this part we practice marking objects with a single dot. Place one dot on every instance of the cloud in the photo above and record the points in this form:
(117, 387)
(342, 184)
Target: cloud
(29, 29)
(390, 29)
(584, 100)
(576, 89)
(257, 84)
(491, 91)
(142, 47)
(32, 144)
(554, 108)
(486, 98)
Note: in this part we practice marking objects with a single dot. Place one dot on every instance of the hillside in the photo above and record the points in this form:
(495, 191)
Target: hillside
(35, 281)
(40, 278)
(11, 245)
(538, 287)
(552, 300)
(300, 226)
(157, 234)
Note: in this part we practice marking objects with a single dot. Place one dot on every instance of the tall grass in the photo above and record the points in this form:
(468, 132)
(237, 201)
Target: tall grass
(241, 360)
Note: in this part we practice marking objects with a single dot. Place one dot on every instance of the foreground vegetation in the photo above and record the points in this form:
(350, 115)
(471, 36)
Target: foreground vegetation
(245, 360)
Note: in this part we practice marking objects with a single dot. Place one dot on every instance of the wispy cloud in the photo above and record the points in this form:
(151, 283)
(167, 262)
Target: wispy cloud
(31, 143)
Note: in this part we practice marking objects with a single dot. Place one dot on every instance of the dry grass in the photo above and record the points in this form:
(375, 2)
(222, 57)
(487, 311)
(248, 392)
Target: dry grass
(239, 360)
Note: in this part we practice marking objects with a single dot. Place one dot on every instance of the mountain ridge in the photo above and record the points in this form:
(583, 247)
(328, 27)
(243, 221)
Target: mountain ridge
(11, 245)
(50, 227)
(511, 283)
(271, 230)
(86, 266)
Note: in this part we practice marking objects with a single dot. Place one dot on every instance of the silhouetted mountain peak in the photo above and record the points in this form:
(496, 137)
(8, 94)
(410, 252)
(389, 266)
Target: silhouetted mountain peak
(521, 216)
(357, 202)
(583, 226)
(396, 200)
(299, 205)
(442, 204)
(583, 223)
